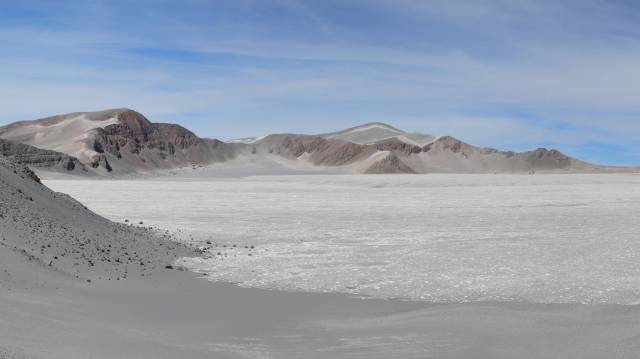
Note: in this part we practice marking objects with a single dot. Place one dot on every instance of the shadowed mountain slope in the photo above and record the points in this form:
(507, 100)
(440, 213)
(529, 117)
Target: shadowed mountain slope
(44, 233)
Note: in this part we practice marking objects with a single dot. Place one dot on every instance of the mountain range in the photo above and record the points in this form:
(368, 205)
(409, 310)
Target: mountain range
(123, 141)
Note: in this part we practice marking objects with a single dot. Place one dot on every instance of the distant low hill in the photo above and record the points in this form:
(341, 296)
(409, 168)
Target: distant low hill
(123, 141)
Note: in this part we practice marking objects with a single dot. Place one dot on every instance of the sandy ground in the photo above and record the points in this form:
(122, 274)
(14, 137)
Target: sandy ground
(173, 315)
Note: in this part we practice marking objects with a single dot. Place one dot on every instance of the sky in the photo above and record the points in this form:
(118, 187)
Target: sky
(510, 74)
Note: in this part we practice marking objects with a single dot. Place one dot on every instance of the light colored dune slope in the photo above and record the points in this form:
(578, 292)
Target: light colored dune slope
(376, 132)
(72, 135)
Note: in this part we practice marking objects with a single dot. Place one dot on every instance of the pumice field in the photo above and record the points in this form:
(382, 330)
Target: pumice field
(437, 238)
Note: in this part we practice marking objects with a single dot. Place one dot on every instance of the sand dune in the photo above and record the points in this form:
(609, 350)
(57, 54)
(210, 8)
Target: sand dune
(71, 134)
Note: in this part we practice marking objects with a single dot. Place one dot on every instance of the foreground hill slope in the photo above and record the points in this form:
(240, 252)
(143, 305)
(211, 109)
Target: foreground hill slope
(43, 233)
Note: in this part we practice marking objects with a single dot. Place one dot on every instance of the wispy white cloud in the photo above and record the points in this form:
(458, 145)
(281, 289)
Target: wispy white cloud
(501, 73)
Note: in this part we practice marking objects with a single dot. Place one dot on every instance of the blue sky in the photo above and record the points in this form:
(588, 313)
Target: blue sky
(514, 74)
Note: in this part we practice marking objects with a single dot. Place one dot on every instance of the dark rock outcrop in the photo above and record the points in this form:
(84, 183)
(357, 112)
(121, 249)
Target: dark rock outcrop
(396, 145)
(100, 161)
(155, 145)
(39, 158)
(135, 133)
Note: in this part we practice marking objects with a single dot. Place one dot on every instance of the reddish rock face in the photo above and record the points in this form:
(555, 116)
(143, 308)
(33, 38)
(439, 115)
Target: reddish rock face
(153, 144)
(134, 132)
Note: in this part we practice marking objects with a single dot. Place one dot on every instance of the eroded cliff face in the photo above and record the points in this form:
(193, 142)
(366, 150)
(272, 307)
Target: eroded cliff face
(134, 133)
(139, 143)
(398, 146)
(38, 158)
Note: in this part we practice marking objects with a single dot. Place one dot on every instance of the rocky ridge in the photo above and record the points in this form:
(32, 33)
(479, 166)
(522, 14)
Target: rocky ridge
(123, 141)
(33, 156)
(118, 141)
(443, 154)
